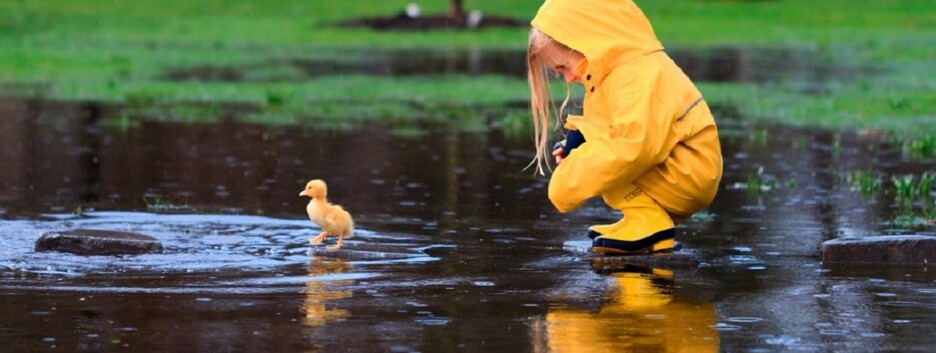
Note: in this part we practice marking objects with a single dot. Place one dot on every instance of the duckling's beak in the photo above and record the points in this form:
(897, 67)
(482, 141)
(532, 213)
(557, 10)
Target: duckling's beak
(303, 193)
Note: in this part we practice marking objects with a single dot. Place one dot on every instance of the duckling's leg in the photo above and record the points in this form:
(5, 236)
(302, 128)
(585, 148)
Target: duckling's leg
(338, 245)
(319, 239)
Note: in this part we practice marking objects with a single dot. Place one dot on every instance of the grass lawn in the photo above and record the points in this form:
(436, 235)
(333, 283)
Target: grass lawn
(120, 50)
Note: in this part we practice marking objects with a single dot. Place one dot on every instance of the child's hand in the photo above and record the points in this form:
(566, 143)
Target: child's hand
(558, 153)
(562, 149)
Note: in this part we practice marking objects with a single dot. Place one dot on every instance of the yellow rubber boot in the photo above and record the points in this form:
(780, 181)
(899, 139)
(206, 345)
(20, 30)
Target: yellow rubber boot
(615, 201)
(604, 229)
(646, 226)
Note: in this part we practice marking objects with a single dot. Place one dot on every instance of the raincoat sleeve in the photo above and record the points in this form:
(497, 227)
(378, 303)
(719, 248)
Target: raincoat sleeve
(618, 152)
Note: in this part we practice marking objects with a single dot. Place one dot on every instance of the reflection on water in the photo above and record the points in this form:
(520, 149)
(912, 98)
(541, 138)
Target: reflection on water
(319, 293)
(637, 314)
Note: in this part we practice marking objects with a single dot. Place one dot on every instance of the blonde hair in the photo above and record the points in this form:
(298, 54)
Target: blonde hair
(541, 104)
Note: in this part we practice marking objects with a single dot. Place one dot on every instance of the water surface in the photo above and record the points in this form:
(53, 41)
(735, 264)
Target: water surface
(470, 254)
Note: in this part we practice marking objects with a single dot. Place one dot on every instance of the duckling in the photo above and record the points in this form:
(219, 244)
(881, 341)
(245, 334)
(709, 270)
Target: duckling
(333, 219)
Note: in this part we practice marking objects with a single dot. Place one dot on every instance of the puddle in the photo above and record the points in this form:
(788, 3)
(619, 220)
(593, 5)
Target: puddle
(801, 66)
(487, 259)
(408, 62)
(757, 65)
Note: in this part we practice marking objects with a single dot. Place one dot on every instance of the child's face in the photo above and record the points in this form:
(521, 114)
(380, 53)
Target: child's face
(563, 61)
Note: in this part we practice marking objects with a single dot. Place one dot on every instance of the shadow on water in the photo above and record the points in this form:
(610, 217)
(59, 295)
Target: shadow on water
(457, 247)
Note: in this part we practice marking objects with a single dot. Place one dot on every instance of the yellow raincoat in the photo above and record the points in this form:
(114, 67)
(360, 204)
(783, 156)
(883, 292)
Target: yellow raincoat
(644, 121)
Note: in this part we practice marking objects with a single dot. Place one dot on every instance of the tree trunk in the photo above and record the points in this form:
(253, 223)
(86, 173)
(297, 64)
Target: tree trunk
(457, 9)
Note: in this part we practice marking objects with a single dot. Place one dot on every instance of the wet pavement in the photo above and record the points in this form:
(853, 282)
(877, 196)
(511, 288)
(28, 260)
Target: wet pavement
(456, 249)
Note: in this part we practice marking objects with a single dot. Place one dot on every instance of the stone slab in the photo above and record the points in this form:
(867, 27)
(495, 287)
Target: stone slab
(887, 249)
(98, 242)
(680, 258)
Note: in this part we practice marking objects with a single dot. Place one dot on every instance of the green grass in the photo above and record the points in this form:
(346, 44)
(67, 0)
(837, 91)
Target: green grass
(120, 50)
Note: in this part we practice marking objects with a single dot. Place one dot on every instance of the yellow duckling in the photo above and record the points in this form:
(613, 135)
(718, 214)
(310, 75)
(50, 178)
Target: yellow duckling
(333, 219)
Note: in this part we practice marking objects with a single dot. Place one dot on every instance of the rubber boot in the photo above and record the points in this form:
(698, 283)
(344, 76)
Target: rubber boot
(646, 226)
(611, 199)
(603, 229)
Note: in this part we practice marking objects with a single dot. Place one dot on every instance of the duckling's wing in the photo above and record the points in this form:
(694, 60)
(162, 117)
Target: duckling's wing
(338, 219)
(334, 215)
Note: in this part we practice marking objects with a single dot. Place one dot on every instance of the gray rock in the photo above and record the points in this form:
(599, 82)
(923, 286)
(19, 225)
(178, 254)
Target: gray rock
(677, 259)
(888, 249)
(98, 242)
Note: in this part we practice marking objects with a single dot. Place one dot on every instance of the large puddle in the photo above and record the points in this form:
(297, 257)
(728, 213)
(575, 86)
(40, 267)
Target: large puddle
(728, 64)
(457, 247)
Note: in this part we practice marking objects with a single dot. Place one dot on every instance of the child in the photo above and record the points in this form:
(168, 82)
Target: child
(646, 140)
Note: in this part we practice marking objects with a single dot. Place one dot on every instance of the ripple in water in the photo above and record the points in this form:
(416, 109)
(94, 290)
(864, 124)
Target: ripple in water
(210, 254)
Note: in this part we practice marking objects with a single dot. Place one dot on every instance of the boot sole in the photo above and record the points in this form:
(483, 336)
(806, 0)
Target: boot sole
(664, 240)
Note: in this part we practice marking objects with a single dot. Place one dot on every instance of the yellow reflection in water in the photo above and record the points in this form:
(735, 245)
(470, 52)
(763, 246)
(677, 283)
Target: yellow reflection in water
(639, 315)
(318, 293)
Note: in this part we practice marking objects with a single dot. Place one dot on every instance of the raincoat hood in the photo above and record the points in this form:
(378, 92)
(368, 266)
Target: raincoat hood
(606, 32)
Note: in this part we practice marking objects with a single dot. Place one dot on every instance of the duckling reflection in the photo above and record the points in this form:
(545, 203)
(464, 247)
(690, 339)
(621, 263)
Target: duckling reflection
(639, 314)
(318, 293)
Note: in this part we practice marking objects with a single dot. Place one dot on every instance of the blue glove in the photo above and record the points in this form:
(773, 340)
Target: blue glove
(573, 139)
